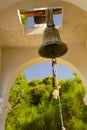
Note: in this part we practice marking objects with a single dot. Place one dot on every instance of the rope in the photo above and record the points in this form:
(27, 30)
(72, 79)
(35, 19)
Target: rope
(54, 71)
(56, 94)
(63, 128)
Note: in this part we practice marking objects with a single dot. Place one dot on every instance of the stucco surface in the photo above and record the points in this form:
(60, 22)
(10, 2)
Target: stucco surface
(17, 49)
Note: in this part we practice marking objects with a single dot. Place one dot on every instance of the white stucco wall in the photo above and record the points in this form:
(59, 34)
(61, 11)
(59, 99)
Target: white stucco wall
(12, 58)
(0, 66)
(25, 48)
(80, 3)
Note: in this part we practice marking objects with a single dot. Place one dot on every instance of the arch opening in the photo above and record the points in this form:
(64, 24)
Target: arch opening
(60, 61)
(38, 61)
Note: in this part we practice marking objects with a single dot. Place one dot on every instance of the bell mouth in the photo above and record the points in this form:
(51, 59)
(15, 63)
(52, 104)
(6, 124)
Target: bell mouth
(52, 49)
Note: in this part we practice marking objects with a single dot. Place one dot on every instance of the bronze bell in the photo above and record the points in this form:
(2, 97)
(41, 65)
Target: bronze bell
(52, 46)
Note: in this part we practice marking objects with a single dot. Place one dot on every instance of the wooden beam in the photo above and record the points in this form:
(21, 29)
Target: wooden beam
(39, 12)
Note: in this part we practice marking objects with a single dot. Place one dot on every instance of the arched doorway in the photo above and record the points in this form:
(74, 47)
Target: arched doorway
(64, 63)
(38, 61)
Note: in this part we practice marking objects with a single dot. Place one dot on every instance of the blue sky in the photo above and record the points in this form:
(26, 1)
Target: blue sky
(44, 69)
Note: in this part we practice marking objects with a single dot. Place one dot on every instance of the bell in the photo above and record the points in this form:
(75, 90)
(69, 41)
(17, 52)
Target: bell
(52, 46)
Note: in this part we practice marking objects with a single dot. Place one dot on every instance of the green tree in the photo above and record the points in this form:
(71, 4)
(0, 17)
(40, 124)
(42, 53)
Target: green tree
(32, 109)
(72, 94)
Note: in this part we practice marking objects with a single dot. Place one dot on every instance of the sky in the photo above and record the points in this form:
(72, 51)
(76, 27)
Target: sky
(44, 69)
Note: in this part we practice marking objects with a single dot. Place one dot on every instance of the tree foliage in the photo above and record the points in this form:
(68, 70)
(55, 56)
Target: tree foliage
(32, 109)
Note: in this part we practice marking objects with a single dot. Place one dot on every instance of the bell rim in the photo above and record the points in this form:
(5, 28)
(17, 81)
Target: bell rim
(62, 45)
